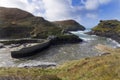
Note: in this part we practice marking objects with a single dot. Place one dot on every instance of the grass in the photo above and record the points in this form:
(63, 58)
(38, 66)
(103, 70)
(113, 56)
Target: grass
(105, 67)
(35, 27)
(108, 25)
(69, 25)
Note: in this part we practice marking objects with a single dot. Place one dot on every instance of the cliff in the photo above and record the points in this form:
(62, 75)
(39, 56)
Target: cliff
(69, 25)
(108, 28)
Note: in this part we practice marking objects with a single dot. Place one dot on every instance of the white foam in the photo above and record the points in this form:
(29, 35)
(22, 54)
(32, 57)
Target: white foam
(115, 43)
(83, 36)
(87, 39)
(77, 32)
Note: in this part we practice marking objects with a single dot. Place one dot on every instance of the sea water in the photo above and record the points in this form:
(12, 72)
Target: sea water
(58, 54)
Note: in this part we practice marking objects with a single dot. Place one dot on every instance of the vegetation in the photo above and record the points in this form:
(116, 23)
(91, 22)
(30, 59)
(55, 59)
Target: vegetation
(108, 25)
(69, 25)
(35, 27)
(108, 28)
(106, 67)
(28, 73)
(16, 23)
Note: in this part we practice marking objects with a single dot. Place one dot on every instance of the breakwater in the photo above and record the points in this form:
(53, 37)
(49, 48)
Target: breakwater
(31, 49)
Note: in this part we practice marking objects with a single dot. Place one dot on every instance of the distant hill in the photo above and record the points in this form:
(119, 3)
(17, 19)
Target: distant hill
(108, 28)
(69, 25)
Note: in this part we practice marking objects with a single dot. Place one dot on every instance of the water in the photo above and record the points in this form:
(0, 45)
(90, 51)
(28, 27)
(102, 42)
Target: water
(96, 39)
(60, 53)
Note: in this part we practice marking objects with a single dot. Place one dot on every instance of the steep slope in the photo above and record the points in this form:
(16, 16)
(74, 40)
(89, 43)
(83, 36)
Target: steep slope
(13, 14)
(69, 25)
(16, 23)
(108, 28)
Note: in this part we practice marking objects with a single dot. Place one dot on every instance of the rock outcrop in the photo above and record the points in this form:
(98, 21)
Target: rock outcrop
(63, 39)
(107, 28)
(69, 25)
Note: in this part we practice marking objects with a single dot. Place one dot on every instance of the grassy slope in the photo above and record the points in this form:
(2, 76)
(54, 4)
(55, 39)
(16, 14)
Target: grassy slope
(69, 25)
(97, 68)
(108, 25)
(105, 67)
(16, 23)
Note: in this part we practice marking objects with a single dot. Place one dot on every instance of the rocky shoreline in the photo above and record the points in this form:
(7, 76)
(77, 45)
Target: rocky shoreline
(107, 28)
(111, 35)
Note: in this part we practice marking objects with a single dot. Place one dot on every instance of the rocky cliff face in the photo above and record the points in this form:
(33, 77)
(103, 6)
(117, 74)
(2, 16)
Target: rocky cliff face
(69, 25)
(108, 28)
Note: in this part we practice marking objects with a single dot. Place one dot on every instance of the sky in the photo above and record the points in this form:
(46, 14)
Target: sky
(86, 12)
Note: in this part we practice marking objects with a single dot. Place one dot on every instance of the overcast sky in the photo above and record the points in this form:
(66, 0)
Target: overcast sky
(86, 12)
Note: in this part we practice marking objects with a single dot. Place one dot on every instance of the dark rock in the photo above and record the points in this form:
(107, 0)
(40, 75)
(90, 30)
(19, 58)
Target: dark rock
(63, 39)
